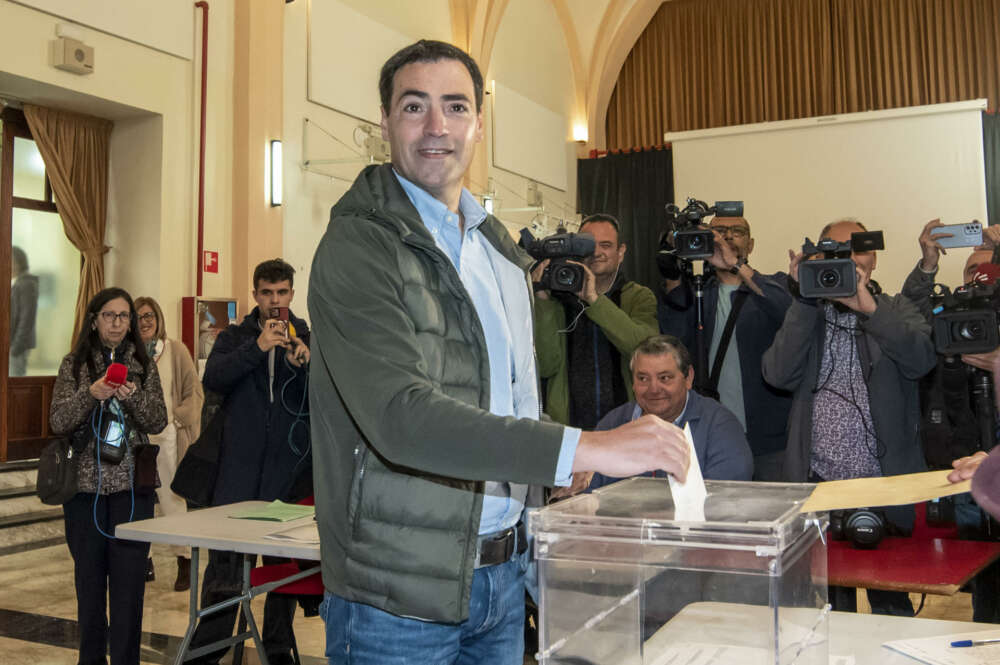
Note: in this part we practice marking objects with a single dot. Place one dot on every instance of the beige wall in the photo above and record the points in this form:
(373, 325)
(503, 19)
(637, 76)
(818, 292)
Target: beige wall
(153, 98)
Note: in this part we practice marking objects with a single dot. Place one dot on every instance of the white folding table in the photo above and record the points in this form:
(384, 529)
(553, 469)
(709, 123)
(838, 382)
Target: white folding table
(213, 528)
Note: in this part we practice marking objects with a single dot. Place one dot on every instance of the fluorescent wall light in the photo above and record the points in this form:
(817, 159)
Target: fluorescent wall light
(275, 173)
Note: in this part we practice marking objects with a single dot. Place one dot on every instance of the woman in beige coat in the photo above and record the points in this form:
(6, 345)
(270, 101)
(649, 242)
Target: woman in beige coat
(183, 395)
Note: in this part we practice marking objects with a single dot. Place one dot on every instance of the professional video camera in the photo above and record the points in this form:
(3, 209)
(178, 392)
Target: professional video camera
(965, 321)
(560, 274)
(686, 236)
(834, 276)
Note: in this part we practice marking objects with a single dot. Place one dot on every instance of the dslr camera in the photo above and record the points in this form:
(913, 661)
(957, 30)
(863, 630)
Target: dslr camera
(863, 528)
(965, 321)
(560, 249)
(687, 237)
(834, 275)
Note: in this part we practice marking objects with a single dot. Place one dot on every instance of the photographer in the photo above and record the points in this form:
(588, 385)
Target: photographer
(752, 307)
(959, 415)
(259, 368)
(853, 363)
(584, 342)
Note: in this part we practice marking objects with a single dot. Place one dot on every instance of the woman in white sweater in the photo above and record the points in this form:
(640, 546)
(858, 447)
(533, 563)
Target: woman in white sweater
(184, 397)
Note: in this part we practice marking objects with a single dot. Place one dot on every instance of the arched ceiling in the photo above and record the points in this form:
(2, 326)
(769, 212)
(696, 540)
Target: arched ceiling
(599, 34)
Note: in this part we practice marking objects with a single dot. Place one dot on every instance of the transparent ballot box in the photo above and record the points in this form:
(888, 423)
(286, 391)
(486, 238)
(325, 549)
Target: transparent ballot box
(621, 582)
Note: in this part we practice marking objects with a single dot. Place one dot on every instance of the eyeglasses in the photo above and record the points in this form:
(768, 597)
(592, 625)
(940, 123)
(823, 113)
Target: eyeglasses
(734, 231)
(148, 317)
(109, 317)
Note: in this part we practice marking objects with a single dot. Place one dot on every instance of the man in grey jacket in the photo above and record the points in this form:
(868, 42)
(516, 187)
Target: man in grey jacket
(853, 364)
(424, 397)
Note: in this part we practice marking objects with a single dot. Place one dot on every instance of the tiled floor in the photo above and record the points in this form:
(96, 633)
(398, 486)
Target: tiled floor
(38, 611)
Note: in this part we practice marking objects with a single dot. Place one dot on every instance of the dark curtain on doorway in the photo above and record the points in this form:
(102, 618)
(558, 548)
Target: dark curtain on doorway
(991, 155)
(634, 187)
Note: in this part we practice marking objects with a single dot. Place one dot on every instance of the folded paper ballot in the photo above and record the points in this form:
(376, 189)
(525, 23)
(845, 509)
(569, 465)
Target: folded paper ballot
(689, 496)
(884, 491)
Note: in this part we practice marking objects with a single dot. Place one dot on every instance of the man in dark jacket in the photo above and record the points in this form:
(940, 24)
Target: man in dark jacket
(259, 369)
(757, 304)
(853, 364)
(425, 396)
(23, 306)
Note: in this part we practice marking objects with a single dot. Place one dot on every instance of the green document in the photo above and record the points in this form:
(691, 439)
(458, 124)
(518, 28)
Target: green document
(277, 511)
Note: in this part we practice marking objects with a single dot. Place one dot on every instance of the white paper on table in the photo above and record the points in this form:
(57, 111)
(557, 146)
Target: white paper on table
(689, 496)
(303, 533)
(937, 650)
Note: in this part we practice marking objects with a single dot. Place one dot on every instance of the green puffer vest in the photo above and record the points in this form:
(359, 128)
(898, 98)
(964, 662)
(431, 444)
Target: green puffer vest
(399, 392)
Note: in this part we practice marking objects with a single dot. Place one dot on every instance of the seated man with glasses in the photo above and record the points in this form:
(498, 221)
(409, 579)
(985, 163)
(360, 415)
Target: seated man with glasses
(752, 307)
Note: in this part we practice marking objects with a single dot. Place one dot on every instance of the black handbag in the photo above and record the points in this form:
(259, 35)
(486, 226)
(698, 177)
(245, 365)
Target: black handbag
(198, 470)
(56, 483)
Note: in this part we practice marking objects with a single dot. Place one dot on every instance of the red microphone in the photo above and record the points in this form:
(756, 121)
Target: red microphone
(116, 375)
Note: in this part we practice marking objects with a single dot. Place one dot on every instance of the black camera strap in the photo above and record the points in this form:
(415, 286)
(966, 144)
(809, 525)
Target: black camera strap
(727, 335)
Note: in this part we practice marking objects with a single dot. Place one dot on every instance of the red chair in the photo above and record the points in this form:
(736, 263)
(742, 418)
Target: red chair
(307, 586)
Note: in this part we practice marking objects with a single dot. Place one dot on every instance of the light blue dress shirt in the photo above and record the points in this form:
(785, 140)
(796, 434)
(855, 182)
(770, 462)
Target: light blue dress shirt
(485, 273)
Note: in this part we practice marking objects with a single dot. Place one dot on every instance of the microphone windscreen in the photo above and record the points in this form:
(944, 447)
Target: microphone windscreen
(117, 374)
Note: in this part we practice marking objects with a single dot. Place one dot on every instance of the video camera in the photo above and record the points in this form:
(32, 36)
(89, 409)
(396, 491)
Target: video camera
(835, 275)
(687, 237)
(965, 321)
(560, 274)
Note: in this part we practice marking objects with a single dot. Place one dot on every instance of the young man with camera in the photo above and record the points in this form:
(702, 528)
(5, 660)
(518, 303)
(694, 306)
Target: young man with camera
(258, 369)
(751, 307)
(584, 339)
(853, 363)
(957, 397)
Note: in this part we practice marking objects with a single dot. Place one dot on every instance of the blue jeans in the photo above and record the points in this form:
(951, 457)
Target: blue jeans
(358, 634)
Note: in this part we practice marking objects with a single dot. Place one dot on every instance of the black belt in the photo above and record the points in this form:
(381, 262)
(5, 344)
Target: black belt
(499, 547)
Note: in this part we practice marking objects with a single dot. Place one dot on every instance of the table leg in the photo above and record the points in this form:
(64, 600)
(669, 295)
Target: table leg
(192, 609)
(248, 560)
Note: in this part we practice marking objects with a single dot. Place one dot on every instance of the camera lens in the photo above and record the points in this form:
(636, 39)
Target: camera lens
(970, 331)
(696, 242)
(828, 278)
(564, 277)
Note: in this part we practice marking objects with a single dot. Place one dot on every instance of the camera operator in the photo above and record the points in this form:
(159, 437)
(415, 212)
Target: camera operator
(751, 307)
(584, 341)
(853, 363)
(959, 414)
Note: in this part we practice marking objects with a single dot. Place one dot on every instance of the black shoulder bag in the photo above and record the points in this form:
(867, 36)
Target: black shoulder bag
(712, 389)
(56, 483)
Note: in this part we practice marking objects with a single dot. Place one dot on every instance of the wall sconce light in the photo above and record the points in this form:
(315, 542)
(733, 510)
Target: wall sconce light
(275, 173)
(580, 133)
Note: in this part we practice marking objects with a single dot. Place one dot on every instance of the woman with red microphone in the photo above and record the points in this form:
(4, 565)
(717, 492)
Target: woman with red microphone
(107, 397)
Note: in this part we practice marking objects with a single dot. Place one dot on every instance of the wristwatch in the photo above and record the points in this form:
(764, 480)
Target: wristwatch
(736, 267)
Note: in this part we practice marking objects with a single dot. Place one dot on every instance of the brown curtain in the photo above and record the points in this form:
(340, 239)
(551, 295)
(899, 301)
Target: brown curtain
(75, 151)
(712, 63)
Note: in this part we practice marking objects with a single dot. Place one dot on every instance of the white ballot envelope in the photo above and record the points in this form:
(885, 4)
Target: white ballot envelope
(689, 496)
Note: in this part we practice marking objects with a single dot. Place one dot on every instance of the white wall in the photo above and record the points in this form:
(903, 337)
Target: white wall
(531, 57)
(153, 96)
(160, 24)
(892, 170)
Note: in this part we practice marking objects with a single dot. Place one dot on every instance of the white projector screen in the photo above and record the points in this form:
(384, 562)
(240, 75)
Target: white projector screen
(892, 170)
